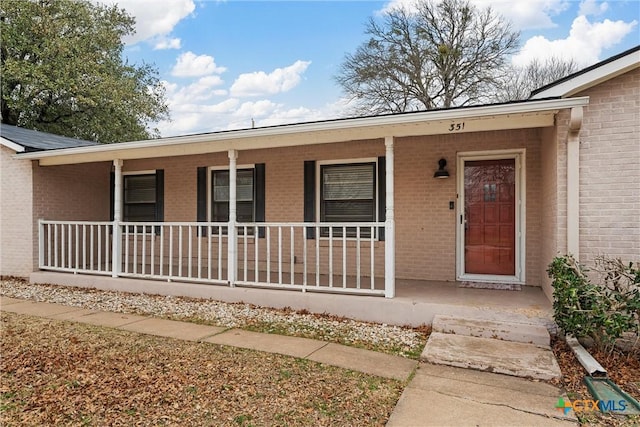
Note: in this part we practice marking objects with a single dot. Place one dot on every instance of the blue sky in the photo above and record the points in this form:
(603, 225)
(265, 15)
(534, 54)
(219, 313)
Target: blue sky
(225, 63)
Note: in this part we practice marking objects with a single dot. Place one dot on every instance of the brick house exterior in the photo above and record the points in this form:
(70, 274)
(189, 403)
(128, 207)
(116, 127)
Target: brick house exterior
(574, 152)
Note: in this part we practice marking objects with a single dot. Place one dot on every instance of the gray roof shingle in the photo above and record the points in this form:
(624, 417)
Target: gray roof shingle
(33, 140)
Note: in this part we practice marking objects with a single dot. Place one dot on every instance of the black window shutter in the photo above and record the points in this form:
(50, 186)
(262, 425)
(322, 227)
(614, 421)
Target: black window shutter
(382, 194)
(260, 196)
(160, 195)
(159, 198)
(310, 195)
(201, 189)
(112, 194)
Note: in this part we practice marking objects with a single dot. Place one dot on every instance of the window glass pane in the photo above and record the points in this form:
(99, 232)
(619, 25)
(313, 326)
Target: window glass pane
(221, 194)
(348, 182)
(348, 211)
(140, 212)
(140, 189)
(244, 196)
(244, 185)
(139, 198)
(348, 193)
(245, 211)
(220, 211)
(220, 186)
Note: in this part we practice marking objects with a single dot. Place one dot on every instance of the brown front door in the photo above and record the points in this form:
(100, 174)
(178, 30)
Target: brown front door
(489, 206)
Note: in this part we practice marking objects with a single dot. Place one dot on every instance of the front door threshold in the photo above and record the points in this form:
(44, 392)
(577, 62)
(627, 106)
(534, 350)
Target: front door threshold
(490, 285)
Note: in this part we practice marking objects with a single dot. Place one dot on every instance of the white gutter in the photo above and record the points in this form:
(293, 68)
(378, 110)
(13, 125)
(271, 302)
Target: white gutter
(591, 78)
(12, 145)
(320, 127)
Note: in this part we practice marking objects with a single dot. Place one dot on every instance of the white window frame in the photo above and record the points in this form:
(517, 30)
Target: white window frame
(142, 172)
(210, 171)
(519, 155)
(346, 162)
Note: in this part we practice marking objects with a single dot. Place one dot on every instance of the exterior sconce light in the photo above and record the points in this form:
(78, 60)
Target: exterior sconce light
(441, 172)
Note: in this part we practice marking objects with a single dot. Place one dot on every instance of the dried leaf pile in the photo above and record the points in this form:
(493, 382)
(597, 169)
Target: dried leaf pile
(622, 368)
(60, 373)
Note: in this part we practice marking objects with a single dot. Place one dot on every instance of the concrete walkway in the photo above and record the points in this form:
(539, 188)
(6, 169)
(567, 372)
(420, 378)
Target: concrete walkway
(447, 396)
(436, 395)
(369, 362)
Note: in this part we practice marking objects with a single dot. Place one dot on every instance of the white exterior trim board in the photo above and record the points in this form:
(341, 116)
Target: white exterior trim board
(537, 113)
(592, 78)
(521, 215)
(12, 145)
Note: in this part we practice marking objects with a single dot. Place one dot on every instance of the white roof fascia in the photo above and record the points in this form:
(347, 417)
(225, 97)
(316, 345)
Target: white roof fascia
(229, 138)
(12, 145)
(593, 77)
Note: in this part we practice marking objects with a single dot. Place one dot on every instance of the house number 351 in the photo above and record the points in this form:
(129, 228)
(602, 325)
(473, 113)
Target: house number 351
(454, 127)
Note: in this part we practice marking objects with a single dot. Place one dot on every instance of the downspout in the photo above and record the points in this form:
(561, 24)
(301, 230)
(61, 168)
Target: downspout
(573, 183)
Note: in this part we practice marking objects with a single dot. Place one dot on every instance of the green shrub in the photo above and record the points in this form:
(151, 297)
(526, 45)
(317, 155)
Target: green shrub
(603, 311)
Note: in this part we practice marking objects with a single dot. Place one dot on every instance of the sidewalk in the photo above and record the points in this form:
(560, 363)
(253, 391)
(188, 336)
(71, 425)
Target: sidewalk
(436, 395)
(369, 362)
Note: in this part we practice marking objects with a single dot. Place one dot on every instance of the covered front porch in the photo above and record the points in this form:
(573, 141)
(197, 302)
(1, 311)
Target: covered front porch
(415, 304)
(315, 211)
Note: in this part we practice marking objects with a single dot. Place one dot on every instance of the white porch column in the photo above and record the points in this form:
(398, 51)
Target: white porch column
(573, 183)
(389, 225)
(232, 235)
(116, 243)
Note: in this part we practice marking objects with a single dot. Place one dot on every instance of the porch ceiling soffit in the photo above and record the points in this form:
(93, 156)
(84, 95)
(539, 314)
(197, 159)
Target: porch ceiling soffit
(475, 119)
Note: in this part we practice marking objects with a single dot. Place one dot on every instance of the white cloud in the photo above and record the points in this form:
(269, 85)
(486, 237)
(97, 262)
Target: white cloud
(584, 44)
(256, 109)
(201, 90)
(164, 43)
(230, 114)
(591, 7)
(189, 64)
(153, 18)
(523, 14)
(196, 118)
(260, 83)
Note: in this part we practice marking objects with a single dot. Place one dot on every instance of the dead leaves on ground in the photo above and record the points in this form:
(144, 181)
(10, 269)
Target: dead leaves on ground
(622, 368)
(59, 373)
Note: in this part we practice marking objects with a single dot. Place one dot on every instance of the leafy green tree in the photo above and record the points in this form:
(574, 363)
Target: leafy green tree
(62, 72)
(438, 54)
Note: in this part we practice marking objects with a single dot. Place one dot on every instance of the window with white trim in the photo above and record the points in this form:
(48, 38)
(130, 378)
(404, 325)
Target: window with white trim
(348, 194)
(139, 201)
(245, 200)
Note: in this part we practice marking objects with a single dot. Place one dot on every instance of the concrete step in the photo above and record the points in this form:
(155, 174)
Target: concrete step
(491, 355)
(517, 332)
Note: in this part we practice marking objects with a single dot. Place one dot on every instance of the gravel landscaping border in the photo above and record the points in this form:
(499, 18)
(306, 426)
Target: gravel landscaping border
(403, 341)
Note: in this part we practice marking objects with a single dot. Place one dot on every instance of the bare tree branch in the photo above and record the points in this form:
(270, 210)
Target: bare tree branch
(446, 54)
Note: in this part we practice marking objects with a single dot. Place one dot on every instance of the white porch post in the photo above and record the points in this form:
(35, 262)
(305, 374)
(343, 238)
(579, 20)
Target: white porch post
(232, 236)
(389, 225)
(573, 183)
(116, 243)
(41, 243)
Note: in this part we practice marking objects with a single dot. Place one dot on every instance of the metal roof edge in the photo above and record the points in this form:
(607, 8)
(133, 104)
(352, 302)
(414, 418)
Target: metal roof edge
(12, 145)
(590, 76)
(527, 106)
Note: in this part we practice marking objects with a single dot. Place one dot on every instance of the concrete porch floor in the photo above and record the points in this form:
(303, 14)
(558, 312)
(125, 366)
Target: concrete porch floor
(416, 302)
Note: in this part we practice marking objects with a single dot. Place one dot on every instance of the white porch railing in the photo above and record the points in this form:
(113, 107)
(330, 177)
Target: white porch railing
(344, 258)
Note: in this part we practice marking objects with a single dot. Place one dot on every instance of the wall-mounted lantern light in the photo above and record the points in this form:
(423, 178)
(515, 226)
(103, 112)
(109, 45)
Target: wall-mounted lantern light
(442, 172)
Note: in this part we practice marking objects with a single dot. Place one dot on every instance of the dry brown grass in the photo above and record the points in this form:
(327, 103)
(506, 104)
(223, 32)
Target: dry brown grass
(60, 373)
